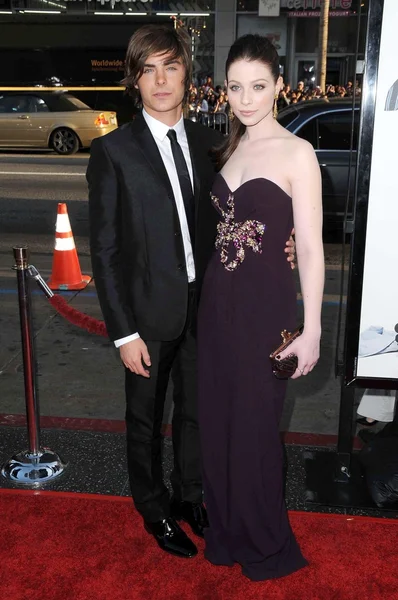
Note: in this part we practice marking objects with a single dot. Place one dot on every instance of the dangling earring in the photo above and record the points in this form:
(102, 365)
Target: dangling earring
(275, 109)
(231, 115)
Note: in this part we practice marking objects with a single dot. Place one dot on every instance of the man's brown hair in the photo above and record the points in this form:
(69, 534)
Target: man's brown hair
(156, 39)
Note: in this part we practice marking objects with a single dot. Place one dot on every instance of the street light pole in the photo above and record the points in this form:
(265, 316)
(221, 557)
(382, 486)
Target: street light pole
(323, 44)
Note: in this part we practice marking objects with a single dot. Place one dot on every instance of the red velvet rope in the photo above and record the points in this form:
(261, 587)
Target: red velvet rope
(78, 318)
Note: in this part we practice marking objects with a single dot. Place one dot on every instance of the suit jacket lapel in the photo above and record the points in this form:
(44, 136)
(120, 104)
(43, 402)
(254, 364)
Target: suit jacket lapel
(144, 141)
(147, 145)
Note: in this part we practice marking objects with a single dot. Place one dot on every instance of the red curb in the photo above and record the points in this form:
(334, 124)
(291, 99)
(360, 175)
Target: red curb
(70, 423)
(74, 495)
(128, 499)
(116, 426)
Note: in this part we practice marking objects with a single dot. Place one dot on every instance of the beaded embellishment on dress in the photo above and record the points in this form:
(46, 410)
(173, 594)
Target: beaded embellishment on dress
(246, 233)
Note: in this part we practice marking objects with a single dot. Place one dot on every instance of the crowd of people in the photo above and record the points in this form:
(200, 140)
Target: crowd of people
(303, 93)
(206, 99)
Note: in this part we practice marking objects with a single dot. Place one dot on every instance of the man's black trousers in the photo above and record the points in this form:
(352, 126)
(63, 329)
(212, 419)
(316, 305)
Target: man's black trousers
(144, 415)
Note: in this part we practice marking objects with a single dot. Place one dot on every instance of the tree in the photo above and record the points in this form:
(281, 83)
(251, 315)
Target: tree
(323, 43)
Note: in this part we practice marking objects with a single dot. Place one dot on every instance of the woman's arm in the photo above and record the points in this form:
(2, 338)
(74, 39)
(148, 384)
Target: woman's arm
(307, 211)
(306, 188)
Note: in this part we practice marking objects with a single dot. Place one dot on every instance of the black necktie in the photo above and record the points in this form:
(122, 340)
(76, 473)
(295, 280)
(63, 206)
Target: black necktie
(185, 183)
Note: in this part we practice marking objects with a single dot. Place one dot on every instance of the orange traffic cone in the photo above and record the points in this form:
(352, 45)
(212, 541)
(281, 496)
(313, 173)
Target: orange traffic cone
(66, 273)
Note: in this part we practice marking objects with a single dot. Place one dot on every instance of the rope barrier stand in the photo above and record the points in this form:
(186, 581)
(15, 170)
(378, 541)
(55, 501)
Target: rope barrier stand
(36, 465)
(65, 310)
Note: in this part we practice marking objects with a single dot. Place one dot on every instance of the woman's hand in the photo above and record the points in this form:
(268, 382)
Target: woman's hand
(290, 249)
(306, 348)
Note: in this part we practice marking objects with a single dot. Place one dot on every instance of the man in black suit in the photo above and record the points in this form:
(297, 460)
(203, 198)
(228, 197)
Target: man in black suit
(152, 229)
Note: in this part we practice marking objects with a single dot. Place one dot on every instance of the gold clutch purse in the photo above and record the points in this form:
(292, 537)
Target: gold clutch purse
(285, 368)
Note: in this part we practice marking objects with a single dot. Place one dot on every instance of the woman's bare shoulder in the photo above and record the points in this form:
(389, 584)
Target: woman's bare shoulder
(294, 143)
(284, 144)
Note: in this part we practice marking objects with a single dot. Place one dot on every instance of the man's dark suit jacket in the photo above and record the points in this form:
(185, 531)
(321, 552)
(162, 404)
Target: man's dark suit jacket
(136, 244)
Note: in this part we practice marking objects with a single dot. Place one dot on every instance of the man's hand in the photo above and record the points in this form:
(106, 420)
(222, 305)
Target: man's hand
(133, 354)
(291, 250)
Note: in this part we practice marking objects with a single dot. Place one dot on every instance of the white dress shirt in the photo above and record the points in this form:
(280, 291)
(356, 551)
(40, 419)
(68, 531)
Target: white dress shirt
(159, 131)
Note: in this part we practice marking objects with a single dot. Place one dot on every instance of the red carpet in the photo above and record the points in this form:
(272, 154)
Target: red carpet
(57, 546)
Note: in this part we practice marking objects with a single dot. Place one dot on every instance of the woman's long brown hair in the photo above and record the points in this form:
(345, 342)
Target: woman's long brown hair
(248, 47)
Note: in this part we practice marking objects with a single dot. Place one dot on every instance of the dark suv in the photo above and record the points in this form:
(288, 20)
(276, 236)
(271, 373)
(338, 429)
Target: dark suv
(327, 126)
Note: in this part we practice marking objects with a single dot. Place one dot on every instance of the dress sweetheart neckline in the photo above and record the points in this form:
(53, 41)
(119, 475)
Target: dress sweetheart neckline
(254, 179)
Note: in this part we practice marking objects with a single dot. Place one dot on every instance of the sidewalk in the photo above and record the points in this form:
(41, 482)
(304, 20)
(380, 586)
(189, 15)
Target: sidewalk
(80, 384)
(80, 376)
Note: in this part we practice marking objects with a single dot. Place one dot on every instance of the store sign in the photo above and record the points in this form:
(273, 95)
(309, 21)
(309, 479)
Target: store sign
(377, 355)
(106, 65)
(269, 8)
(311, 8)
(317, 13)
(313, 5)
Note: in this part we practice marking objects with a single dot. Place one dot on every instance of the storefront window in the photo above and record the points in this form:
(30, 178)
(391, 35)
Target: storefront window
(247, 5)
(87, 52)
(341, 39)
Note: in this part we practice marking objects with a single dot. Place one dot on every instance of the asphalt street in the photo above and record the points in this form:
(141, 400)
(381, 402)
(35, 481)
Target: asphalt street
(79, 375)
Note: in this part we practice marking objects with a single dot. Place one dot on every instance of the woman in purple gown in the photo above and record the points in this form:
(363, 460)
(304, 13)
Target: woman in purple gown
(269, 180)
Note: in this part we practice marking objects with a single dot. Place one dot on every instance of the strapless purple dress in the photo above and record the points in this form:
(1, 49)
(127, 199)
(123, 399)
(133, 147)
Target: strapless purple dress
(248, 298)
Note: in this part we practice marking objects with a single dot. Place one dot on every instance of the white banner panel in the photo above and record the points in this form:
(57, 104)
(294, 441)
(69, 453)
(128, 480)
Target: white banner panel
(378, 350)
(269, 8)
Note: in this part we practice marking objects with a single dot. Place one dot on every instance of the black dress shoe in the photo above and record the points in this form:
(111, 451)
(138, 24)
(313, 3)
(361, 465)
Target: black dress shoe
(171, 538)
(364, 421)
(366, 436)
(192, 513)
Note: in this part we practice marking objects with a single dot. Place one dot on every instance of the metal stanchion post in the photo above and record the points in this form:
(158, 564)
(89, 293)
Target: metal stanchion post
(36, 465)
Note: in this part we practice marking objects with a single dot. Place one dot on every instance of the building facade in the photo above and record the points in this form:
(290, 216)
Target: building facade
(83, 42)
(294, 29)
